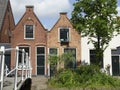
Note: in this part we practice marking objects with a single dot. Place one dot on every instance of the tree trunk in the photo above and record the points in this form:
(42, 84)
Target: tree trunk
(99, 53)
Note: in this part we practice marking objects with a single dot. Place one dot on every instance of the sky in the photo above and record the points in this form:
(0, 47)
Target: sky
(46, 10)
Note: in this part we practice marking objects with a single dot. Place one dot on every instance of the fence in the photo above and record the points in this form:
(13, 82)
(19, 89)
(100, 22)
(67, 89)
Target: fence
(24, 67)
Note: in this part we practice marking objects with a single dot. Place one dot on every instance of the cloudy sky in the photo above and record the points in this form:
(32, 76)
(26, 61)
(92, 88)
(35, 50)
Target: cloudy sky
(46, 10)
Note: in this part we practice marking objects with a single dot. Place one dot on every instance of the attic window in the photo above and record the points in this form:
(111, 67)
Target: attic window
(29, 32)
(64, 34)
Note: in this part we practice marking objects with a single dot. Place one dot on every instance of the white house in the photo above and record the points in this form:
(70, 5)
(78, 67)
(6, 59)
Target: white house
(111, 54)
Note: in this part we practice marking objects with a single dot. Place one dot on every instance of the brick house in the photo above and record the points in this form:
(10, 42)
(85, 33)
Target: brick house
(7, 24)
(63, 38)
(6, 21)
(29, 34)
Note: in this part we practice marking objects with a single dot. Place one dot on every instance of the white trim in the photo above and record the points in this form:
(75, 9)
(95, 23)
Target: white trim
(25, 32)
(68, 36)
(58, 34)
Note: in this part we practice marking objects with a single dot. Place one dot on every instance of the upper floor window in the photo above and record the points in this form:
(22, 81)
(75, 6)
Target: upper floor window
(64, 35)
(29, 32)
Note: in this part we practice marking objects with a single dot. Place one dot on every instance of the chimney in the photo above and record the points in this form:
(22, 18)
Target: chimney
(63, 13)
(29, 8)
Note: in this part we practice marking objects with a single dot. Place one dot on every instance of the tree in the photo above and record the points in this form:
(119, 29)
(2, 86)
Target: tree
(96, 19)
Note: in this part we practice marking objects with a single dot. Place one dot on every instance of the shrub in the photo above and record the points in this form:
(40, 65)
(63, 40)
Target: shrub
(86, 76)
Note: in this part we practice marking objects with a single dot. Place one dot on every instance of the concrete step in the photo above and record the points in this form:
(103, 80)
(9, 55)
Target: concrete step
(39, 83)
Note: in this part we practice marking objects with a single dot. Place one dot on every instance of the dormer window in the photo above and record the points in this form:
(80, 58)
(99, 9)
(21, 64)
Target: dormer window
(29, 32)
(64, 34)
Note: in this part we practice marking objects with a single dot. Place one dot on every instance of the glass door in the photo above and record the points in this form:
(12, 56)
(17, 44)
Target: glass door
(40, 60)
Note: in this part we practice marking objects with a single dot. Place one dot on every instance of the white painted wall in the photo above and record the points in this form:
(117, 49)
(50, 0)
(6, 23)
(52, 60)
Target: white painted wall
(85, 57)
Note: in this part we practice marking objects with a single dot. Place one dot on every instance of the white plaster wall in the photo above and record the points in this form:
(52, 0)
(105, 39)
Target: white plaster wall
(85, 57)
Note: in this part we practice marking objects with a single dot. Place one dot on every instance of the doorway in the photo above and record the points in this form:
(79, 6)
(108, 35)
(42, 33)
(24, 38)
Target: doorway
(40, 60)
(115, 65)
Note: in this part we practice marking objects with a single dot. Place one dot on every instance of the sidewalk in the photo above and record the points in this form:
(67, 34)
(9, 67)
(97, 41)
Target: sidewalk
(39, 83)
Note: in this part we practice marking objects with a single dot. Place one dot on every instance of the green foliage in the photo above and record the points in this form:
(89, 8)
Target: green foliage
(68, 59)
(96, 19)
(87, 76)
(53, 60)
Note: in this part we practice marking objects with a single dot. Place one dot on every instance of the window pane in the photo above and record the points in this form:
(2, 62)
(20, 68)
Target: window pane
(40, 60)
(71, 50)
(114, 52)
(64, 35)
(29, 31)
(53, 51)
(40, 50)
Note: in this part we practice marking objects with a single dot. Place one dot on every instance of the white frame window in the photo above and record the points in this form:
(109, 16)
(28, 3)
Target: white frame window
(64, 34)
(29, 32)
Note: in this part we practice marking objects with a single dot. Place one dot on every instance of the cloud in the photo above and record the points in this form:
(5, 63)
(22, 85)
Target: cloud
(118, 9)
(43, 8)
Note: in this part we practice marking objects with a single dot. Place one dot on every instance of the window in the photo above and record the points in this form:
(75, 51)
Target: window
(29, 32)
(115, 62)
(72, 58)
(64, 34)
(20, 53)
(53, 51)
(93, 58)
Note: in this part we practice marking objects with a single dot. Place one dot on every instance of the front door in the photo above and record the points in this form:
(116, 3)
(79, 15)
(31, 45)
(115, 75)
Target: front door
(115, 65)
(40, 60)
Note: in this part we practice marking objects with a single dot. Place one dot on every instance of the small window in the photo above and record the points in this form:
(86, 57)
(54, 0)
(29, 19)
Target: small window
(64, 35)
(53, 51)
(29, 33)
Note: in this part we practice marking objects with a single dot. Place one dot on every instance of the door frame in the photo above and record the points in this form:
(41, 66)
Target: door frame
(118, 64)
(36, 59)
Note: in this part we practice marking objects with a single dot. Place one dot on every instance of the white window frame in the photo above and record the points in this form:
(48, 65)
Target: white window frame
(33, 31)
(69, 36)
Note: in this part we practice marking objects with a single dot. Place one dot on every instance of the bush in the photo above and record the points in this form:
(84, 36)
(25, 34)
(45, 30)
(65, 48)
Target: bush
(86, 76)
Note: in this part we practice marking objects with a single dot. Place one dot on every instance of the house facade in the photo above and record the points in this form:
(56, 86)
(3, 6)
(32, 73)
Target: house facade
(64, 38)
(30, 35)
(7, 24)
(111, 55)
